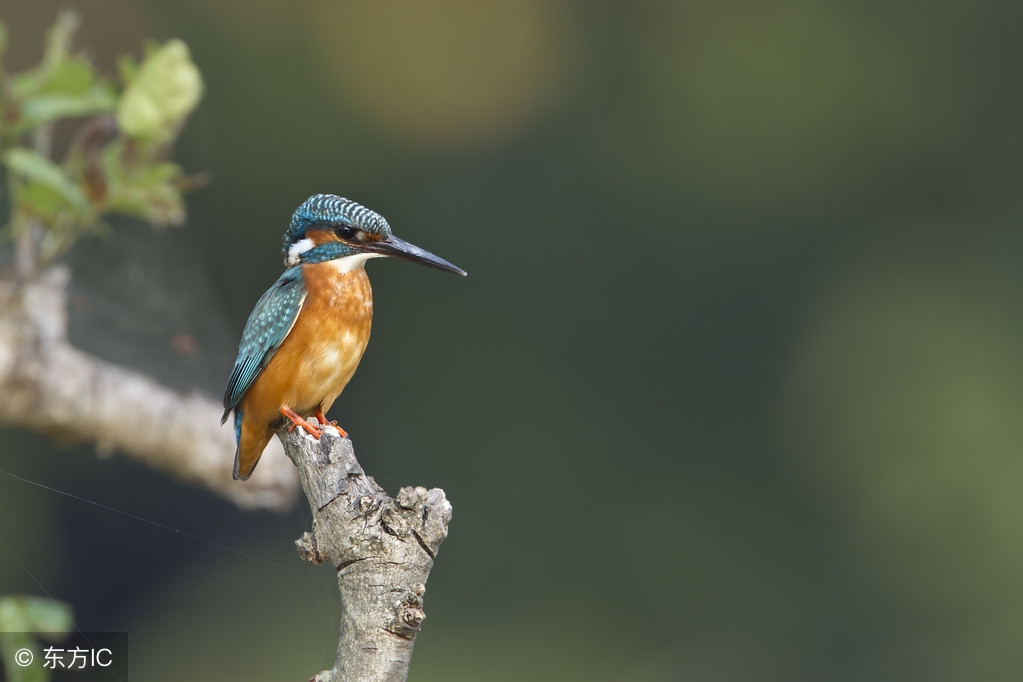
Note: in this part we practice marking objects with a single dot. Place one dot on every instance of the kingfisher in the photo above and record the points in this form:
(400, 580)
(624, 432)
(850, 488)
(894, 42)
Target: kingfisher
(306, 335)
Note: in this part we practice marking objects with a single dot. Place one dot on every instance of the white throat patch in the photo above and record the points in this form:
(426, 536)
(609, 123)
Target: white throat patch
(346, 264)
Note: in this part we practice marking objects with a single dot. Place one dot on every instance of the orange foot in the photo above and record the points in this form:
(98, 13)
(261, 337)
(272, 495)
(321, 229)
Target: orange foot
(296, 420)
(323, 420)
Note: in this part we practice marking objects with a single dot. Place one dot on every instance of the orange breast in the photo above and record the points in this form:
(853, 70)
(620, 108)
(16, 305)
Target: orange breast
(320, 355)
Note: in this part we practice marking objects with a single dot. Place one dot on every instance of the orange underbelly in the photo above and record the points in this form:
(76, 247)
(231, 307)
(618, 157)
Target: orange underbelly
(321, 353)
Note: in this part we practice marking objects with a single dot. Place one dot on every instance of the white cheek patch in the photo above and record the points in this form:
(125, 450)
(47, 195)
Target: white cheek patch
(297, 249)
(346, 264)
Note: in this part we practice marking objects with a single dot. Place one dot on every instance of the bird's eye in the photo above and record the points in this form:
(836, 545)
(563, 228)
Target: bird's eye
(346, 231)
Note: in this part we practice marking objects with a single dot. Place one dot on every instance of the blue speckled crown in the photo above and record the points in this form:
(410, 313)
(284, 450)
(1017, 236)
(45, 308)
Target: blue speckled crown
(330, 210)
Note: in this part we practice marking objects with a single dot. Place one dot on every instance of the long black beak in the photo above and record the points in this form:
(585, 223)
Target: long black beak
(399, 248)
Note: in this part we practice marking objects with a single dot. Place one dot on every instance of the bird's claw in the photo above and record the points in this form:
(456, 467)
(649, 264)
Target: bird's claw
(320, 417)
(297, 420)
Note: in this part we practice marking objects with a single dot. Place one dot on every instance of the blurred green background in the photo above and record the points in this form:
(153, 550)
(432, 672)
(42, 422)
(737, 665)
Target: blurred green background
(732, 391)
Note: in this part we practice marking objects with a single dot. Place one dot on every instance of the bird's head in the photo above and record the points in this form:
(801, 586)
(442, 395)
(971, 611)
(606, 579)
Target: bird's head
(327, 227)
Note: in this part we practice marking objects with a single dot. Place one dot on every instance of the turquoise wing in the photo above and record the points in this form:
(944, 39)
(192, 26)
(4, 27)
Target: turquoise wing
(269, 324)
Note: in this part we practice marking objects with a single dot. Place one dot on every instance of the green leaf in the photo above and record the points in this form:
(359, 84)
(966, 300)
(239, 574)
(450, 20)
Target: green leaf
(69, 77)
(35, 167)
(34, 614)
(70, 88)
(20, 617)
(160, 205)
(164, 90)
(45, 202)
(26, 84)
(13, 642)
(58, 45)
(58, 39)
(45, 108)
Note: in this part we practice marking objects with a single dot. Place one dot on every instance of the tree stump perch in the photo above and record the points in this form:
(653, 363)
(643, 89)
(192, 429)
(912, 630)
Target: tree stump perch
(381, 547)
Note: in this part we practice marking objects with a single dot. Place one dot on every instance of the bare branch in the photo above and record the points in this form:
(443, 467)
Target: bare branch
(382, 548)
(46, 381)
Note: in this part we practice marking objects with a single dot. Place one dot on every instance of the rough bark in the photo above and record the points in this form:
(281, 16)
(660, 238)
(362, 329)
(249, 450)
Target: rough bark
(45, 381)
(382, 548)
